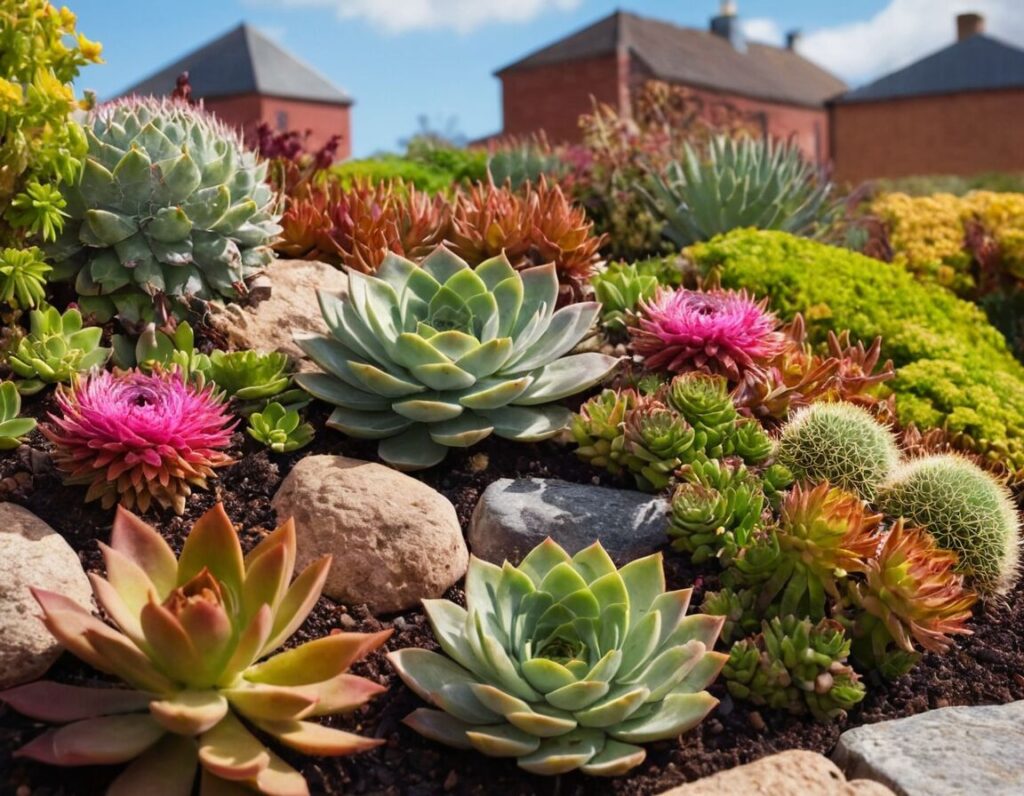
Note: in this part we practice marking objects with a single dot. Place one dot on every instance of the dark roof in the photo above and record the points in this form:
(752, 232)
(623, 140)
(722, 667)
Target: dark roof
(243, 61)
(977, 63)
(696, 58)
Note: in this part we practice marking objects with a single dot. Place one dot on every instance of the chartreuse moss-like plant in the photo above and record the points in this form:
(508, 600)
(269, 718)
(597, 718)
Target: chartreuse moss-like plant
(23, 274)
(425, 358)
(839, 443)
(966, 510)
(564, 662)
(170, 207)
(196, 641)
(55, 349)
(280, 429)
(12, 427)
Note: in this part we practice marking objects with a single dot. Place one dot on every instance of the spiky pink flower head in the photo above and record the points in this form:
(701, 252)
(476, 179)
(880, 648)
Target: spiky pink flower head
(138, 438)
(721, 331)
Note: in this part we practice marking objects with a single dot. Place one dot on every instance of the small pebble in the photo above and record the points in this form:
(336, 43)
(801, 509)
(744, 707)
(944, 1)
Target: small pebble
(347, 621)
(479, 462)
(400, 623)
(757, 722)
(451, 780)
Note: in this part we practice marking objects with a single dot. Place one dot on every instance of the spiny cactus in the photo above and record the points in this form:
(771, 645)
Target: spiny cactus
(966, 510)
(839, 443)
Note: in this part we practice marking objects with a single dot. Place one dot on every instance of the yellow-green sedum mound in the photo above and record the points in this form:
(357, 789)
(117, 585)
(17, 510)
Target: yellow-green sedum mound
(966, 510)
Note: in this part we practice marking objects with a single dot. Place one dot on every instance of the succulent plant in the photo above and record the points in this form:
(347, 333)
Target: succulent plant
(657, 442)
(139, 438)
(966, 510)
(737, 606)
(910, 593)
(620, 288)
(735, 183)
(599, 426)
(280, 429)
(797, 665)
(170, 207)
(564, 662)
(523, 163)
(191, 640)
(443, 355)
(156, 349)
(839, 443)
(248, 375)
(23, 274)
(55, 349)
(720, 332)
(12, 427)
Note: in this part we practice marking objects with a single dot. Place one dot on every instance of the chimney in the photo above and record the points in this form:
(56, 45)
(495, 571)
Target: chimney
(793, 39)
(727, 25)
(968, 25)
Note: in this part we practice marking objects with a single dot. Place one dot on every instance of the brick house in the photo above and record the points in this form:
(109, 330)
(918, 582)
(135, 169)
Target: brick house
(957, 111)
(612, 58)
(245, 78)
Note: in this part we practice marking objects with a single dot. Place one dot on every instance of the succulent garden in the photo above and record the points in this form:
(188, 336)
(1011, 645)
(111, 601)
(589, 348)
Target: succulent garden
(285, 448)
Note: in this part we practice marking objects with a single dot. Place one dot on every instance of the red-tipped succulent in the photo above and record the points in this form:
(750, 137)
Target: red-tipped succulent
(191, 639)
(138, 438)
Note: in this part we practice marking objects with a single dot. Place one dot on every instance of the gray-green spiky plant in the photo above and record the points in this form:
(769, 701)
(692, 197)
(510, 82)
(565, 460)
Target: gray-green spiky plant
(425, 358)
(564, 662)
(170, 206)
(735, 183)
(839, 443)
(966, 510)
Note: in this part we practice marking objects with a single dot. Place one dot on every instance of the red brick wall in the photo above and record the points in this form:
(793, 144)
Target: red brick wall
(965, 133)
(323, 119)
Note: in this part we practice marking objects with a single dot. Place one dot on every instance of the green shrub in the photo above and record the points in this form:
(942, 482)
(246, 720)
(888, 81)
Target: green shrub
(955, 369)
(433, 170)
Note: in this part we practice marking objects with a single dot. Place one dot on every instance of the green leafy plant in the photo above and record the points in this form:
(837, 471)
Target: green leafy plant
(597, 429)
(191, 639)
(56, 347)
(564, 662)
(23, 274)
(620, 288)
(442, 355)
(280, 429)
(165, 350)
(12, 427)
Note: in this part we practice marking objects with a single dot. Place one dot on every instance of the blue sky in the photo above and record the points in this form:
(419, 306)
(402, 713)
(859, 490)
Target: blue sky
(402, 59)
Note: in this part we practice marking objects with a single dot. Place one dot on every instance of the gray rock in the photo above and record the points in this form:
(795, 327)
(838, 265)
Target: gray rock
(945, 752)
(32, 554)
(513, 516)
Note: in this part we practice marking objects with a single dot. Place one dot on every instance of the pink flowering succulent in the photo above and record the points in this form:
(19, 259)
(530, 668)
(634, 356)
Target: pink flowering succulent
(192, 641)
(723, 332)
(136, 438)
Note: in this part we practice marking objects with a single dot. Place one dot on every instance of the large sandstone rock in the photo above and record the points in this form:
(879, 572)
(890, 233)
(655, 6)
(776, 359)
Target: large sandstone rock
(945, 752)
(792, 773)
(513, 516)
(291, 308)
(32, 554)
(395, 541)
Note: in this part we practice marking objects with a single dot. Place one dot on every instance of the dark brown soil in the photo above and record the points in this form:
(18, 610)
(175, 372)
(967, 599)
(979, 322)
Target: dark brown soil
(987, 667)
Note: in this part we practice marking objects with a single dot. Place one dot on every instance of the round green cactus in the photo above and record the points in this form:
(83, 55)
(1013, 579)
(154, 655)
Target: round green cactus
(839, 443)
(170, 206)
(966, 510)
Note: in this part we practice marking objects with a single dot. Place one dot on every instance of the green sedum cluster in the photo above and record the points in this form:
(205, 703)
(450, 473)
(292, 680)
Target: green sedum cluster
(55, 349)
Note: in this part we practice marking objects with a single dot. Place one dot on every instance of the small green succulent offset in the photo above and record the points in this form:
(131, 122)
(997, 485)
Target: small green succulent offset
(564, 662)
(170, 206)
(23, 275)
(56, 347)
(619, 288)
(280, 429)
(155, 348)
(425, 358)
(12, 427)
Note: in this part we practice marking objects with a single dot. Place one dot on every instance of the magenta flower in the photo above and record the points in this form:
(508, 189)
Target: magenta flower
(136, 438)
(721, 331)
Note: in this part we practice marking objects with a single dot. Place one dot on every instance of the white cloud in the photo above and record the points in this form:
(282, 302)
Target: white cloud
(762, 29)
(463, 16)
(903, 32)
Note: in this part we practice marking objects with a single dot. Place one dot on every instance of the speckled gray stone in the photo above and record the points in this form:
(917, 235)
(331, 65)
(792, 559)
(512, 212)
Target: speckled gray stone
(513, 516)
(946, 752)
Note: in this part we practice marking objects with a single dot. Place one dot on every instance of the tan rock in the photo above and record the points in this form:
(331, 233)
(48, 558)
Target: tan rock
(291, 308)
(32, 554)
(792, 773)
(395, 541)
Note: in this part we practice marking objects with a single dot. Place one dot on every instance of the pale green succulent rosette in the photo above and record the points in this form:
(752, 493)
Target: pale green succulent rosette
(440, 355)
(564, 662)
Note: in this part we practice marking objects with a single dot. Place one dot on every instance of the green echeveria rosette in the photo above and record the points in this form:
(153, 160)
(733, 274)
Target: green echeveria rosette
(170, 206)
(657, 441)
(441, 355)
(564, 662)
(55, 349)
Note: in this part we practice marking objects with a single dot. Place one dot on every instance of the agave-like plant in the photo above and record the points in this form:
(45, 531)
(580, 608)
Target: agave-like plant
(564, 662)
(55, 349)
(443, 355)
(192, 641)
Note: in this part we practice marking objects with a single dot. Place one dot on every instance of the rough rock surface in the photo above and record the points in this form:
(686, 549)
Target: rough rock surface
(32, 554)
(513, 516)
(291, 308)
(792, 773)
(945, 752)
(395, 541)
